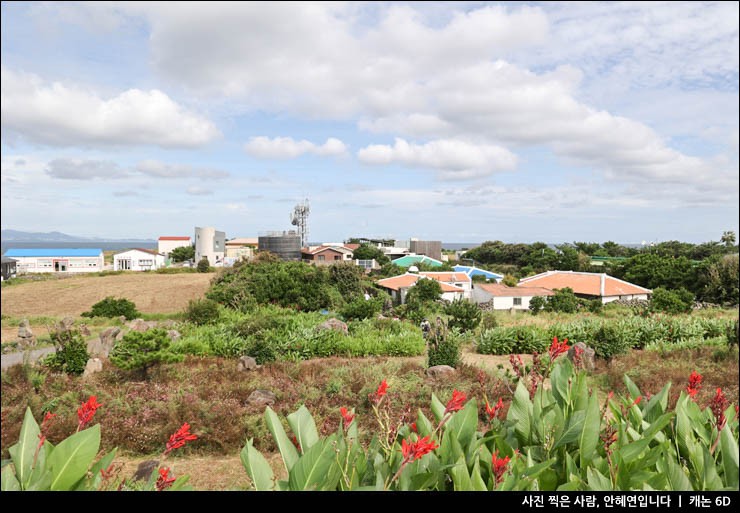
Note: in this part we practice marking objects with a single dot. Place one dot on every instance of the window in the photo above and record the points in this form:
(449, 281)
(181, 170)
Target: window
(337, 257)
(517, 301)
(145, 262)
(321, 258)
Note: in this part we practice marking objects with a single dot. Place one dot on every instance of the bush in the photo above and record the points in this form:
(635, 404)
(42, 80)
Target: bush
(488, 321)
(361, 308)
(202, 311)
(564, 301)
(203, 265)
(425, 290)
(139, 351)
(446, 352)
(71, 352)
(183, 253)
(536, 304)
(464, 315)
(112, 307)
(732, 333)
(671, 301)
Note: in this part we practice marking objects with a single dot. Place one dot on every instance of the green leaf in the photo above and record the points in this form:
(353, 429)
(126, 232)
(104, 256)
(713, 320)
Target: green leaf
(284, 444)
(460, 476)
(590, 435)
(70, 459)
(729, 448)
(534, 470)
(423, 426)
(479, 485)
(462, 425)
(304, 427)
(22, 452)
(597, 481)
(573, 431)
(258, 470)
(559, 383)
(312, 470)
(631, 387)
(438, 409)
(548, 480)
(94, 481)
(8, 482)
(520, 413)
(677, 479)
(657, 404)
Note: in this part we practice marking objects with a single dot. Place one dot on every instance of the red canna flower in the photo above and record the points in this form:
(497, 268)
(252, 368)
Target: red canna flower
(44, 428)
(164, 480)
(637, 401)
(295, 442)
(499, 466)
(694, 384)
(413, 427)
(416, 450)
(718, 405)
(380, 393)
(179, 438)
(492, 412)
(347, 417)
(86, 412)
(107, 473)
(558, 348)
(457, 401)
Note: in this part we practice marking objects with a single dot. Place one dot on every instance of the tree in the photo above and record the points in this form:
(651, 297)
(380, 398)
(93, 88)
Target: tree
(536, 304)
(564, 300)
(139, 351)
(368, 252)
(111, 307)
(463, 314)
(425, 290)
(203, 265)
(671, 301)
(183, 253)
(722, 283)
(728, 238)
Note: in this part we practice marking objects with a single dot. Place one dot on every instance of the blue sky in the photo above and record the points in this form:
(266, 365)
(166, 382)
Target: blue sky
(462, 122)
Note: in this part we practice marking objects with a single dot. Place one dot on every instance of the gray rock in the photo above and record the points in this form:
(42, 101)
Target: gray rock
(440, 371)
(122, 319)
(84, 330)
(145, 469)
(141, 325)
(24, 329)
(587, 356)
(94, 365)
(246, 363)
(261, 398)
(101, 348)
(173, 334)
(65, 324)
(333, 324)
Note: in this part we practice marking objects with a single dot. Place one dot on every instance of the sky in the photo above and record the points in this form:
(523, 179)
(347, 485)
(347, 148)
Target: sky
(460, 122)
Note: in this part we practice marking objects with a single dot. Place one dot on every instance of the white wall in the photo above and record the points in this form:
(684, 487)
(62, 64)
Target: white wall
(46, 264)
(209, 243)
(166, 246)
(137, 261)
(609, 299)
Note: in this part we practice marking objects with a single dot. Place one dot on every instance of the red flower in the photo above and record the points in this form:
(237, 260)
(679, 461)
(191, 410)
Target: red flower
(637, 401)
(694, 384)
(492, 412)
(415, 450)
(380, 393)
(457, 401)
(718, 405)
(347, 417)
(86, 412)
(295, 442)
(499, 466)
(413, 427)
(179, 438)
(558, 348)
(164, 480)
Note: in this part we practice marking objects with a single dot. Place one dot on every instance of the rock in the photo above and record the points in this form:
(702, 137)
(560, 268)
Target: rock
(101, 348)
(261, 398)
(24, 329)
(84, 330)
(142, 325)
(65, 324)
(94, 365)
(440, 371)
(333, 324)
(246, 363)
(145, 469)
(586, 358)
(173, 334)
(122, 319)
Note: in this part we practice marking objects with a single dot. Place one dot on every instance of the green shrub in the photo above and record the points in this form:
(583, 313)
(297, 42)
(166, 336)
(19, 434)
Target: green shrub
(202, 311)
(139, 351)
(610, 340)
(112, 307)
(183, 253)
(732, 333)
(361, 308)
(488, 321)
(446, 352)
(536, 304)
(203, 265)
(564, 301)
(464, 315)
(262, 351)
(71, 352)
(425, 290)
(671, 301)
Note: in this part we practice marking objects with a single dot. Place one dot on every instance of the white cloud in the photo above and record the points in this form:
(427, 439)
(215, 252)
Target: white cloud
(452, 158)
(194, 190)
(288, 148)
(59, 114)
(84, 169)
(158, 169)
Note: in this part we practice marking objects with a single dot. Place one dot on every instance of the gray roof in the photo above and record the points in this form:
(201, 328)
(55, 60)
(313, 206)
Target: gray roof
(7, 260)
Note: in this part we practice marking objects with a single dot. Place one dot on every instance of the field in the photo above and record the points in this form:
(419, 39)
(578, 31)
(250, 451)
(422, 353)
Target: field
(152, 293)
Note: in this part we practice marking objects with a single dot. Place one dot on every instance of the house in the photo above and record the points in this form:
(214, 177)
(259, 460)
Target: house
(327, 254)
(8, 269)
(503, 297)
(57, 260)
(454, 285)
(588, 285)
(409, 260)
(166, 244)
(475, 271)
(210, 244)
(242, 248)
(138, 259)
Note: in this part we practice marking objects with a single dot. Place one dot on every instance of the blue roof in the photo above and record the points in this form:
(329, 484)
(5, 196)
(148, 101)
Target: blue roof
(474, 271)
(54, 252)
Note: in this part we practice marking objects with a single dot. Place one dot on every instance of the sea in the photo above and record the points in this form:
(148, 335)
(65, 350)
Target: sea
(104, 245)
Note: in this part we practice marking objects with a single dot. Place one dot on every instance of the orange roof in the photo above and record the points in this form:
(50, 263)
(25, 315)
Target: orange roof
(174, 238)
(243, 241)
(352, 246)
(584, 283)
(407, 280)
(501, 290)
(449, 277)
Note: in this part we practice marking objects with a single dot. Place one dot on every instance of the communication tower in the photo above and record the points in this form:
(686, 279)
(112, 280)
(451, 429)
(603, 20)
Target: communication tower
(299, 218)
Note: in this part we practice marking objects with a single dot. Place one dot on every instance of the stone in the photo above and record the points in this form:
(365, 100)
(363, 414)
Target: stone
(440, 371)
(65, 324)
(93, 366)
(173, 334)
(122, 319)
(141, 325)
(101, 348)
(24, 329)
(84, 330)
(333, 324)
(587, 357)
(261, 398)
(246, 363)
(145, 469)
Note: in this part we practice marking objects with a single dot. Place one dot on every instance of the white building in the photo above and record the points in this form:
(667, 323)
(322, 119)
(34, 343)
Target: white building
(166, 244)
(502, 297)
(241, 248)
(138, 259)
(453, 285)
(57, 260)
(210, 244)
(599, 286)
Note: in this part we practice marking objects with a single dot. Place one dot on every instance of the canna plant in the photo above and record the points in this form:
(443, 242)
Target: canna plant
(562, 438)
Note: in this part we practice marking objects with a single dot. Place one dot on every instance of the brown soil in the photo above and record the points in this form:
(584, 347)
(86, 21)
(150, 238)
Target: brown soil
(152, 293)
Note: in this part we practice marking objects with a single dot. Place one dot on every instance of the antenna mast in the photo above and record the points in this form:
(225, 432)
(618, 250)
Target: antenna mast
(299, 218)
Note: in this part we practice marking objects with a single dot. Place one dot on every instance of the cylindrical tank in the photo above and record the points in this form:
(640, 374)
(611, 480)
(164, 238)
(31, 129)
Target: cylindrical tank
(286, 245)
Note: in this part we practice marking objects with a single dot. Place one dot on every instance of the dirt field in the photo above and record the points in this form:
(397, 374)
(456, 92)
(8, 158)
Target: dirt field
(152, 293)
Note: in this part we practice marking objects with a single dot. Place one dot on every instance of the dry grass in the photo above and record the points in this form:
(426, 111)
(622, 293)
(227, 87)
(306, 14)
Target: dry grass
(152, 293)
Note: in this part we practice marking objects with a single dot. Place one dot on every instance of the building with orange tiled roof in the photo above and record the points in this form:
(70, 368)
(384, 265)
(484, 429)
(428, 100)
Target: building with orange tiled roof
(503, 297)
(455, 285)
(588, 285)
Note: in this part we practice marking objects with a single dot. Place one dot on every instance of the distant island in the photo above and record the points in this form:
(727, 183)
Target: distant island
(21, 236)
